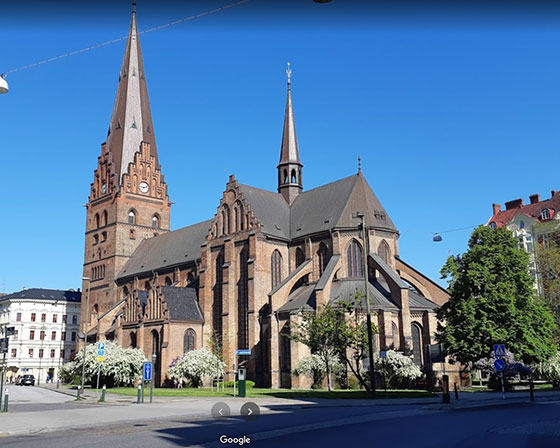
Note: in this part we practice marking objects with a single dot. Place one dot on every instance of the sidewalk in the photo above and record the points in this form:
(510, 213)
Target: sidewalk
(120, 408)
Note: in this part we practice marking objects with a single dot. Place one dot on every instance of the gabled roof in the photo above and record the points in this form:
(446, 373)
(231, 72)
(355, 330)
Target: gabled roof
(167, 250)
(182, 304)
(270, 208)
(45, 294)
(345, 290)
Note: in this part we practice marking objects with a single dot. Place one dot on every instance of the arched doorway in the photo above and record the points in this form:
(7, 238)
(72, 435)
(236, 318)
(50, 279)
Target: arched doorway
(156, 350)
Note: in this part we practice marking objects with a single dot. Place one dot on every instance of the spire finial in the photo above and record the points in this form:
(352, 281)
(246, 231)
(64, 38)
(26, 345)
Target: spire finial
(289, 73)
(134, 6)
(359, 164)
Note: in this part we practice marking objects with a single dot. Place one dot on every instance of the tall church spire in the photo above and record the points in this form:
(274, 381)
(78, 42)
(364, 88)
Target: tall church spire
(289, 169)
(131, 122)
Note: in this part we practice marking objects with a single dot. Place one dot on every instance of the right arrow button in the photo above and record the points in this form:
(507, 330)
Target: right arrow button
(250, 411)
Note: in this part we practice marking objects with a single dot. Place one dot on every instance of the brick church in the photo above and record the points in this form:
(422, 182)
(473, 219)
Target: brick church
(242, 276)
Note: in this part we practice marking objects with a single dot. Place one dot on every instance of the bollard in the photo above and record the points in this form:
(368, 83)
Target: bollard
(5, 401)
(456, 391)
(139, 394)
(445, 398)
(532, 389)
(79, 390)
(103, 391)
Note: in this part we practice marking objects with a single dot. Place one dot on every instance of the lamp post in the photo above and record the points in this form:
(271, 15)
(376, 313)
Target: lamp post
(85, 331)
(368, 311)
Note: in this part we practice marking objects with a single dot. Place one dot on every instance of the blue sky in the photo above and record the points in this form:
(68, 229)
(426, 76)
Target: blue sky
(449, 110)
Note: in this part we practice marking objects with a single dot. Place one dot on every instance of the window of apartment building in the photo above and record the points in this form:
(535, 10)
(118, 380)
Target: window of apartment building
(52, 352)
(72, 353)
(64, 318)
(14, 352)
(74, 319)
(53, 336)
(42, 335)
(16, 333)
(54, 318)
(63, 336)
(31, 334)
(73, 336)
(41, 352)
(63, 354)
(33, 317)
(30, 353)
(43, 317)
(545, 214)
(18, 317)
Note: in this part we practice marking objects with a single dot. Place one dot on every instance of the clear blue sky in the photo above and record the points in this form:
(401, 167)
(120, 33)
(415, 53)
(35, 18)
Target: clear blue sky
(450, 110)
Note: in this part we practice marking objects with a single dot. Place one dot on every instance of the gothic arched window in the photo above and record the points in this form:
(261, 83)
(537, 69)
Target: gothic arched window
(293, 179)
(243, 301)
(383, 251)
(155, 221)
(189, 342)
(131, 217)
(300, 256)
(285, 176)
(323, 257)
(354, 259)
(96, 220)
(417, 343)
(276, 268)
(104, 218)
(396, 339)
(218, 306)
(168, 281)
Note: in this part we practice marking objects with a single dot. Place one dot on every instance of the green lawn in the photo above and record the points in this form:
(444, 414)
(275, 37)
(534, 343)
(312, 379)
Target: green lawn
(538, 387)
(279, 393)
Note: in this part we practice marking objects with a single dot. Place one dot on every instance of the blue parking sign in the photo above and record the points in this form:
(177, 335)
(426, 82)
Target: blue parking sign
(147, 371)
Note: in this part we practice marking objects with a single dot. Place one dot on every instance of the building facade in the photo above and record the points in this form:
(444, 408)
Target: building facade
(241, 278)
(47, 324)
(531, 224)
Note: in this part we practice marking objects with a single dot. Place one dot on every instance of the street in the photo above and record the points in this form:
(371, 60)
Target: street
(512, 424)
(34, 398)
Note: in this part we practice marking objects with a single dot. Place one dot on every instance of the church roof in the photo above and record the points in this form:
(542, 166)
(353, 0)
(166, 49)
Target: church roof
(270, 208)
(182, 304)
(289, 152)
(345, 290)
(45, 294)
(131, 121)
(167, 250)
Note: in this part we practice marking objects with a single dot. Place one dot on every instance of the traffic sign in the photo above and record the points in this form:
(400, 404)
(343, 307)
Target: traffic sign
(100, 350)
(499, 365)
(499, 350)
(383, 354)
(243, 352)
(3, 345)
(100, 358)
(147, 371)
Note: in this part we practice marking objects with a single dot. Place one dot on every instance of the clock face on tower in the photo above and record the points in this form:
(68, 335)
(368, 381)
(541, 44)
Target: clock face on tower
(144, 187)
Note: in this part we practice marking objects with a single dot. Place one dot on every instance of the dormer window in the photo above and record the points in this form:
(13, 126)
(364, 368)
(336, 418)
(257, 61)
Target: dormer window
(545, 214)
(493, 225)
(521, 224)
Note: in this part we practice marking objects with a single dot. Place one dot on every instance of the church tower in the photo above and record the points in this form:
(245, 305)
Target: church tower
(128, 199)
(289, 169)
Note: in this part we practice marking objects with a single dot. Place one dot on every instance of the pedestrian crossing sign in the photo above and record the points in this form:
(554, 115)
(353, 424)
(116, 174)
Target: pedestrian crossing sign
(499, 350)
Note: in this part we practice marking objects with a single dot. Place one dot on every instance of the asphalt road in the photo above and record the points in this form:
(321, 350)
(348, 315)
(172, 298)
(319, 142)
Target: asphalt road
(33, 398)
(513, 426)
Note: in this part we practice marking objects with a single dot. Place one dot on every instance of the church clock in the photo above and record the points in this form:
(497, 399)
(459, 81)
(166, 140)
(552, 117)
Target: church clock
(144, 187)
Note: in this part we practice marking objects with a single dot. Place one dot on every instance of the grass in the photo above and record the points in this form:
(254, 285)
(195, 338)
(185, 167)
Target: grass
(538, 387)
(278, 393)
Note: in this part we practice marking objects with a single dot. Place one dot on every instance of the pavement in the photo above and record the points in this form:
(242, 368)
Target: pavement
(28, 406)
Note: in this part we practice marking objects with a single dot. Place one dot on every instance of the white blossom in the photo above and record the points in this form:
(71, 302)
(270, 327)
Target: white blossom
(196, 365)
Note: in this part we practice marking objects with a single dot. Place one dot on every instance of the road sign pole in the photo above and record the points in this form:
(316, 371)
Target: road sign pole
(151, 389)
(2, 377)
(97, 390)
(503, 387)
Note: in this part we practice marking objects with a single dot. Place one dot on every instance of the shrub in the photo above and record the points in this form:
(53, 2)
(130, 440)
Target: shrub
(550, 370)
(313, 366)
(397, 368)
(196, 365)
(248, 383)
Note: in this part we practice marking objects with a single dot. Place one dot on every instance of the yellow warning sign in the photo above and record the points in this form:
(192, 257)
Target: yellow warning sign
(100, 358)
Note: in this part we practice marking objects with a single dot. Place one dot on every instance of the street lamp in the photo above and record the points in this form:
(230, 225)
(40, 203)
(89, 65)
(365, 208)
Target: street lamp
(368, 311)
(3, 84)
(85, 332)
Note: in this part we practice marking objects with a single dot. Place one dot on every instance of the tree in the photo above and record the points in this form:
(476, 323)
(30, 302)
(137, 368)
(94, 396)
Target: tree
(397, 368)
(197, 364)
(121, 366)
(513, 368)
(337, 329)
(314, 367)
(547, 260)
(493, 302)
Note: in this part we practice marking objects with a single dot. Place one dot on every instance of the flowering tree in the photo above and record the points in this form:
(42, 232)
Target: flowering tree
(513, 368)
(121, 365)
(397, 368)
(315, 367)
(197, 364)
(550, 370)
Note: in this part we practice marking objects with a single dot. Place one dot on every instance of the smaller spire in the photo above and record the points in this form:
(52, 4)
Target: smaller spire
(289, 74)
